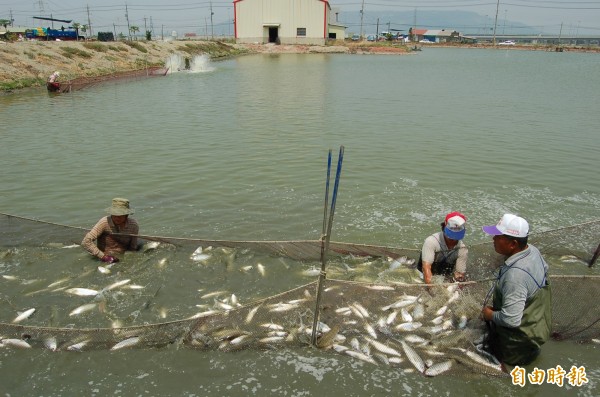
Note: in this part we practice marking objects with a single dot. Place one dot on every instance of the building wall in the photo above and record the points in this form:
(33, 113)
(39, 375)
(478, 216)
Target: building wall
(254, 17)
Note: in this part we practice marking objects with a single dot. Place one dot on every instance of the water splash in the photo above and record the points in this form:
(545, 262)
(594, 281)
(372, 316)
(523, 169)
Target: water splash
(197, 64)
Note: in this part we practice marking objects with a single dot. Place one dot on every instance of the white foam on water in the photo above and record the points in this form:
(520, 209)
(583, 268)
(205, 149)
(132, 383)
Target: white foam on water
(201, 64)
(198, 64)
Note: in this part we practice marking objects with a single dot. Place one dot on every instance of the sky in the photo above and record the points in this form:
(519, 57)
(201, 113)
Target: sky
(164, 16)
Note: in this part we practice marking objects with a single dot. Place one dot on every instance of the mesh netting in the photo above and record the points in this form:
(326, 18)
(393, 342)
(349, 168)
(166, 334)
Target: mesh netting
(373, 308)
(87, 82)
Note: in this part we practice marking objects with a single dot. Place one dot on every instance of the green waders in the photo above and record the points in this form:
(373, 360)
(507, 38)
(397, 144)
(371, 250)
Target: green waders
(521, 345)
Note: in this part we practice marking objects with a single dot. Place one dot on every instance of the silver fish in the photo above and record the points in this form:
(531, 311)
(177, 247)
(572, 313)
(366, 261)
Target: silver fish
(239, 340)
(356, 312)
(103, 270)
(439, 368)
(339, 348)
(404, 301)
(83, 308)
(391, 318)
(282, 307)
(413, 357)
(480, 359)
(23, 315)
(383, 348)
(51, 343)
(363, 311)
(418, 312)
(223, 306)
(7, 277)
(415, 339)
(58, 282)
(261, 269)
(312, 272)
(406, 317)
(82, 291)
(380, 287)
(199, 257)
(212, 294)
(462, 323)
(360, 356)
(272, 339)
(395, 360)
(438, 320)
(251, 314)
(116, 285)
(20, 343)
(370, 330)
(126, 343)
(78, 346)
(441, 310)
(408, 326)
(272, 326)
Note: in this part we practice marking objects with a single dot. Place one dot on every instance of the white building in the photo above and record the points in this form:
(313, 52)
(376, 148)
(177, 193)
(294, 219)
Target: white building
(282, 21)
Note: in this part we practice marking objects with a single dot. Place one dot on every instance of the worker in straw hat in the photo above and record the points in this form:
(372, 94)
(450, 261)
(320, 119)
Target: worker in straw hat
(54, 77)
(113, 234)
(520, 316)
(444, 253)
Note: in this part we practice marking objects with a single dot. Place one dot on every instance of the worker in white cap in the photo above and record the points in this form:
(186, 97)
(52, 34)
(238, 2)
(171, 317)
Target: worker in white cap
(520, 316)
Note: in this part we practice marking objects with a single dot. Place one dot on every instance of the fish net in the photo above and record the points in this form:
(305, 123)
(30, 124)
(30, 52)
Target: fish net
(373, 307)
(80, 83)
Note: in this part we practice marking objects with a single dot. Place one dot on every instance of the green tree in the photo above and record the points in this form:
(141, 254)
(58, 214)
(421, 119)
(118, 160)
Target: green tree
(148, 35)
(133, 30)
(4, 22)
(84, 28)
(77, 26)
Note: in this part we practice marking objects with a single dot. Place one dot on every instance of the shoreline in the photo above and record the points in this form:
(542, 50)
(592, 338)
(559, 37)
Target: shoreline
(27, 64)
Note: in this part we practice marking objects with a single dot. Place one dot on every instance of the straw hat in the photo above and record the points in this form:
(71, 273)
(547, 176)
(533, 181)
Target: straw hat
(120, 206)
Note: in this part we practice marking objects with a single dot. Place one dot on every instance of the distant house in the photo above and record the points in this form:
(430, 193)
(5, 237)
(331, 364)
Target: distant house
(437, 35)
(283, 21)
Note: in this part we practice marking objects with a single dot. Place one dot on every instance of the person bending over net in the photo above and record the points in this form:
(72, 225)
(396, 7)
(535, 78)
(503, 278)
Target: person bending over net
(102, 242)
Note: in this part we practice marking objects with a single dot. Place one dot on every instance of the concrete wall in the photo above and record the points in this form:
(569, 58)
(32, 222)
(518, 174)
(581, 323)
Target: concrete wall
(253, 18)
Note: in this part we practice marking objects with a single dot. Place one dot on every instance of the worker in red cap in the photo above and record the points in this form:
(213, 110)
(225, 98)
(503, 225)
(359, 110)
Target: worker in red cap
(444, 253)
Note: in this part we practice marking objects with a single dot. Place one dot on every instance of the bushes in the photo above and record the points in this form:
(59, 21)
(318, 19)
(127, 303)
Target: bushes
(136, 45)
(95, 46)
(70, 52)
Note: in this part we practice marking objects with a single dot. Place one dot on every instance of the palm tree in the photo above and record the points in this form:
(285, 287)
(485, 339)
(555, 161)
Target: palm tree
(84, 28)
(77, 26)
(4, 22)
(133, 30)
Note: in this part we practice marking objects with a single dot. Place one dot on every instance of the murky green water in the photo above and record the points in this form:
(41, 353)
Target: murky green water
(239, 152)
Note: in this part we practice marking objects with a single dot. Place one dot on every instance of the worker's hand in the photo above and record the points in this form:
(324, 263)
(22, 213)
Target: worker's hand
(487, 313)
(109, 259)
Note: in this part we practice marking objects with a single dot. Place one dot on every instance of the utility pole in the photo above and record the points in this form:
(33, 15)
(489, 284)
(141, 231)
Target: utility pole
(115, 31)
(11, 18)
(89, 22)
(145, 28)
(128, 28)
(496, 22)
(162, 32)
(212, 32)
(560, 34)
(362, 14)
(504, 27)
(377, 32)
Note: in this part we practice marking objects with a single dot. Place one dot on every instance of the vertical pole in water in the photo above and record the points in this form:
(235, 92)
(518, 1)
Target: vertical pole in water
(326, 237)
(595, 256)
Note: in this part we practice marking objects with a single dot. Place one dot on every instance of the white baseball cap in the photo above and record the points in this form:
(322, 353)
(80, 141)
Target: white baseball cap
(510, 225)
(454, 225)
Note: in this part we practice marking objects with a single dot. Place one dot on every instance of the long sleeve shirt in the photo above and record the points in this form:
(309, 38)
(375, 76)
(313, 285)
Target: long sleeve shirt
(106, 242)
(521, 276)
